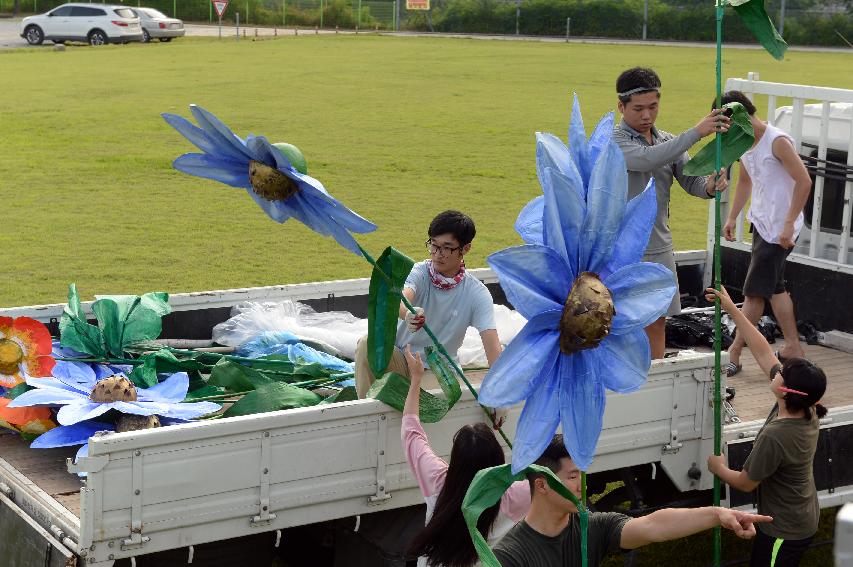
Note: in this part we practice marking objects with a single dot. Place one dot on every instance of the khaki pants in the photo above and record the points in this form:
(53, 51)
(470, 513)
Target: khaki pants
(364, 377)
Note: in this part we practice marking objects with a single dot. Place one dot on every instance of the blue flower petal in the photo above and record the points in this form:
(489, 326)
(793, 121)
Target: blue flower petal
(608, 192)
(600, 137)
(524, 364)
(82, 452)
(321, 218)
(552, 152)
(81, 411)
(624, 361)
(225, 171)
(343, 216)
(177, 411)
(261, 147)
(539, 419)
(641, 294)
(67, 435)
(225, 139)
(193, 133)
(76, 375)
(46, 397)
(535, 278)
(173, 389)
(104, 370)
(577, 142)
(528, 225)
(635, 230)
(581, 405)
(563, 215)
(276, 210)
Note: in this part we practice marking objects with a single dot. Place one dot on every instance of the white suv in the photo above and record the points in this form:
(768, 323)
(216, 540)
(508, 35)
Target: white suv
(92, 23)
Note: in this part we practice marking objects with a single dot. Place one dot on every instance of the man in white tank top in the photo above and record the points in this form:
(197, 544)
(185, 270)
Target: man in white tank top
(774, 175)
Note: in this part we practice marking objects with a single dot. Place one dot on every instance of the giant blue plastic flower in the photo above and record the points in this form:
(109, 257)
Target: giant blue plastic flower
(270, 174)
(581, 230)
(75, 388)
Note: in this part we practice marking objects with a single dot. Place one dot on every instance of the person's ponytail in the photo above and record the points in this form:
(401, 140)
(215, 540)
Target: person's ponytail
(820, 410)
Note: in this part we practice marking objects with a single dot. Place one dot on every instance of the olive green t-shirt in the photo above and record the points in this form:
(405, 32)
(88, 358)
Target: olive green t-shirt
(781, 460)
(523, 546)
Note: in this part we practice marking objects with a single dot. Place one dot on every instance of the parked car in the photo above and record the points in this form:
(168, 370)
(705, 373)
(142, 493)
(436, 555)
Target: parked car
(157, 25)
(95, 24)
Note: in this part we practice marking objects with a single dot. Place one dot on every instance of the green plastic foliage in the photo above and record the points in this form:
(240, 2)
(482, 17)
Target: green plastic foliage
(273, 396)
(736, 142)
(123, 320)
(145, 375)
(383, 312)
(756, 20)
(392, 389)
(235, 377)
(486, 490)
(75, 332)
(13, 393)
(347, 394)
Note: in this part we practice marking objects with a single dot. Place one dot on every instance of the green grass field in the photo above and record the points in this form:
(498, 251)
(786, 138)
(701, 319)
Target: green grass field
(397, 128)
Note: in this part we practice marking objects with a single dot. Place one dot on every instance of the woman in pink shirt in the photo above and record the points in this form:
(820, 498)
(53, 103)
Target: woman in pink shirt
(445, 542)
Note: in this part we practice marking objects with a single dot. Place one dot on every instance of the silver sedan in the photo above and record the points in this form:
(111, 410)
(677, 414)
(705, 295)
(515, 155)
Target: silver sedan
(157, 25)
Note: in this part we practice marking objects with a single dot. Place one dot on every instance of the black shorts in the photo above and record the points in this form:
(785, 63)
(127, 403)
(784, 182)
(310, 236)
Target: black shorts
(767, 551)
(766, 274)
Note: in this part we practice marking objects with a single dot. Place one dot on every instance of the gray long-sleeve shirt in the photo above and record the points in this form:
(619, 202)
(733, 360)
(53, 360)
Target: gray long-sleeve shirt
(665, 159)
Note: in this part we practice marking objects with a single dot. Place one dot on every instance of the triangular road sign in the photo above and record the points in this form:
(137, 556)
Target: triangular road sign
(220, 6)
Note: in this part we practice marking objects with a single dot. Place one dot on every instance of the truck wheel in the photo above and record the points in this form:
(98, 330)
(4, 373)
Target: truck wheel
(34, 35)
(97, 37)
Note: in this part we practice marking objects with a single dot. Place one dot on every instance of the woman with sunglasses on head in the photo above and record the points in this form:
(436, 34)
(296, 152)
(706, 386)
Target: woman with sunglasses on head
(780, 463)
(444, 541)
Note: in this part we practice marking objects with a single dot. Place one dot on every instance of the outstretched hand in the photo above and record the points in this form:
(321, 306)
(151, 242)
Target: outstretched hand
(741, 523)
(725, 301)
(714, 122)
(415, 365)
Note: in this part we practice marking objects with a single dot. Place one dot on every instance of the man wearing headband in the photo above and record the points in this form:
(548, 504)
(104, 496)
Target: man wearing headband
(650, 152)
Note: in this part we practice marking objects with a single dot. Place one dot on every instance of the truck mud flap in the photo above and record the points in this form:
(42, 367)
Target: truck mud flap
(24, 543)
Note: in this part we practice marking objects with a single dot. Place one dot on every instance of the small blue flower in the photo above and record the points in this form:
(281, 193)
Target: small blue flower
(268, 176)
(581, 224)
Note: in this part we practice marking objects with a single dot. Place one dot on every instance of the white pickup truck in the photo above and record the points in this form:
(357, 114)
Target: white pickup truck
(330, 484)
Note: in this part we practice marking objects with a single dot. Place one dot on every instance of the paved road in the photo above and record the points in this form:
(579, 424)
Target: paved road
(9, 37)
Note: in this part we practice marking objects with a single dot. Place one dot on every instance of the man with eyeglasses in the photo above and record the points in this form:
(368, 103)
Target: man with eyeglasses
(445, 296)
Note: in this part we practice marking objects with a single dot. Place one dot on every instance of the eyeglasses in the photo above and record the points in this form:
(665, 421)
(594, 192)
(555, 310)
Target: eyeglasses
(440, 250)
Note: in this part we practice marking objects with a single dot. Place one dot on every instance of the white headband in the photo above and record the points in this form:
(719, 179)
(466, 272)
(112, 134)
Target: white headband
(638, 90)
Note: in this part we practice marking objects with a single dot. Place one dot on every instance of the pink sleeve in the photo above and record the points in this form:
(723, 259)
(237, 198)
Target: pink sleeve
(429, 469)
(516, 500)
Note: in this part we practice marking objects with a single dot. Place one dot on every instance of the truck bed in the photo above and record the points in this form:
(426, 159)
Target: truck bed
(46, 468)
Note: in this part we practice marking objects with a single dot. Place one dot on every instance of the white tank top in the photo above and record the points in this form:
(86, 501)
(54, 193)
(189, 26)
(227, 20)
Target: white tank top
(772, 188)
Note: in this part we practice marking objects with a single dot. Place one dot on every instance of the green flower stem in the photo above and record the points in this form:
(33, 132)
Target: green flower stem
(218, 397)
(128, 361)
(435, 341)
(717, 269)
(584, 514)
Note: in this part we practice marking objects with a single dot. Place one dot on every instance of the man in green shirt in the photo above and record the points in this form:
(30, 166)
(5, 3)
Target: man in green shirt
(550, 536)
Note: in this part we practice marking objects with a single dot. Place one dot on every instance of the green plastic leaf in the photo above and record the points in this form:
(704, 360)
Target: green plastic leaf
(736, 142)
(129, 319)
(13, 393)
(386, 287)
(486, 490)
(235, 377)
(204, 391)
(273, 397)
(76, 332)
(393, 388)
(756, 20)
(145, 375)
(347, 394)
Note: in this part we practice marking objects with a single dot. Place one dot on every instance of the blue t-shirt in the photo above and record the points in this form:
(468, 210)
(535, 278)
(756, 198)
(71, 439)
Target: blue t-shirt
(448, 312)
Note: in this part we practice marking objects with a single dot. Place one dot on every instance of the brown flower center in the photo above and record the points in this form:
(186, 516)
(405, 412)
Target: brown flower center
(587, 315)
(270, 183)
(130, 422)
(11, 355)
(115, 388)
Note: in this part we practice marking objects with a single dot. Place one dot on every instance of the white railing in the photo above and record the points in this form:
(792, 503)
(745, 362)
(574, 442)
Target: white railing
(817, 245)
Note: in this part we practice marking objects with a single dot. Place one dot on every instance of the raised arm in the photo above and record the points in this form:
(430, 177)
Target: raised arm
(783, 150)
(675, 523)
(758, 345)
(639, 157)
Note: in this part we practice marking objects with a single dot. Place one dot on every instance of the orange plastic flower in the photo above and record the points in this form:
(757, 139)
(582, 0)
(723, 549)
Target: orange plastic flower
(24, 350)
(29, 422)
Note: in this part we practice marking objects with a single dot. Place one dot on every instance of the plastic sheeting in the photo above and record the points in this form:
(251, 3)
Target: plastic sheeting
(337, 332)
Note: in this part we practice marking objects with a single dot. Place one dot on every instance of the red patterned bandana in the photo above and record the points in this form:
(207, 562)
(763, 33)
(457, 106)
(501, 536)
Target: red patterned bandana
(443, 282)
